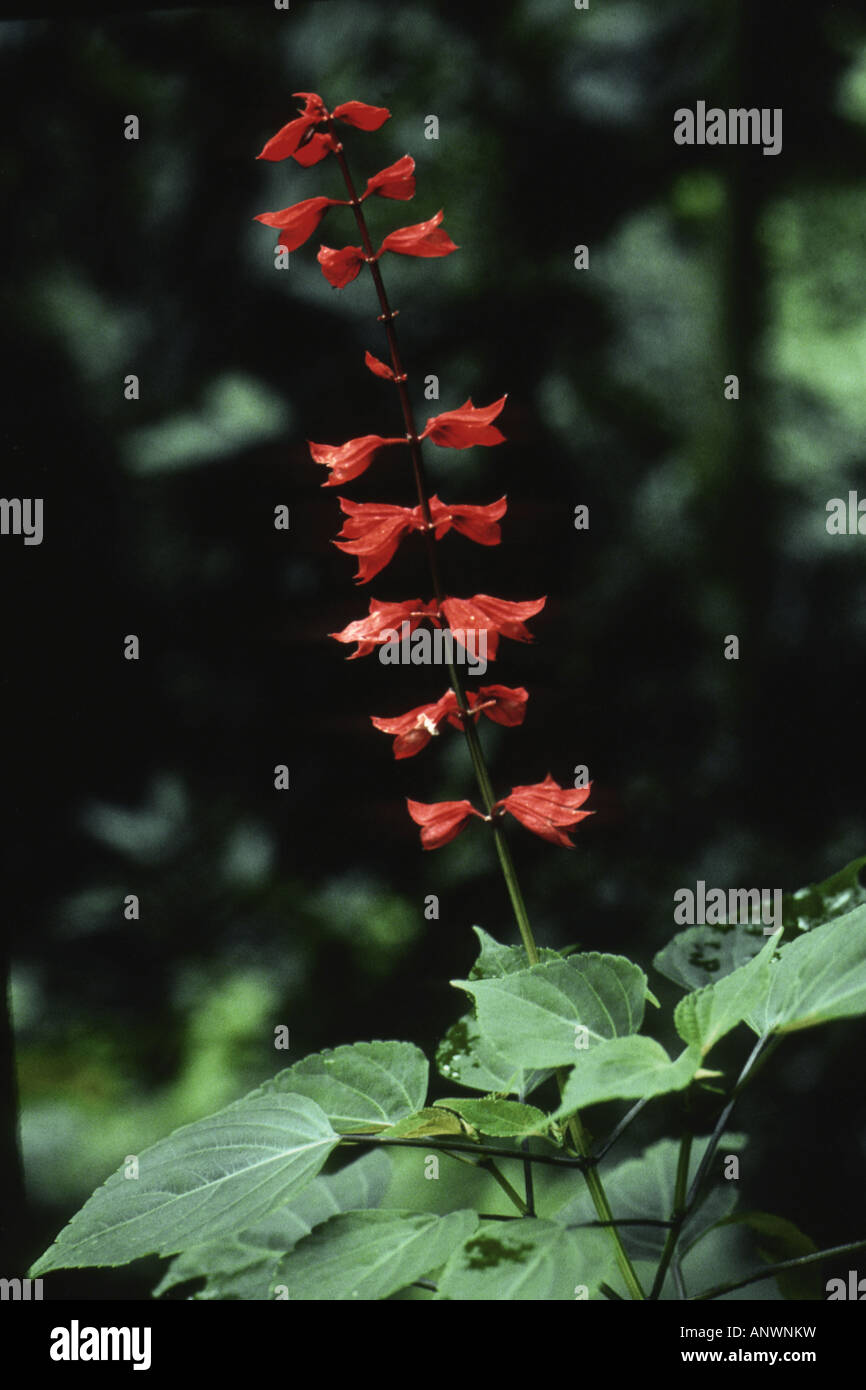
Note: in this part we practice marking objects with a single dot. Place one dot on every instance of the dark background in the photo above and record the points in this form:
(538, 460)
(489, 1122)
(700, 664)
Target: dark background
(707, 518)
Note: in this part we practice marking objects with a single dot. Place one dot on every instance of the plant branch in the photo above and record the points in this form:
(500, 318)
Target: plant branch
(678, 1215)
(591, 1176)
(716, 1135)
(772, 1270)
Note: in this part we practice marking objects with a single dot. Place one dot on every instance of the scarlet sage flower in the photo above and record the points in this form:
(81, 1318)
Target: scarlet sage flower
(414, 730)
(545, 806)
(497, 617)
(340, 268)
(378, 367)
(351, 459)
(441, 821)
(300, 221)
(397, 181)
(287, 141)
(468, 425)
(427, 239)
(382, 621)
(375, 529)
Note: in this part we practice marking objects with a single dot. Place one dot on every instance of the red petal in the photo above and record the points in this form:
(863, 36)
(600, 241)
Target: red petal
(287, 140)
(468, 425)
(379, 368)
(359, 114)
(414, 730)
(373, 532)
(440, 821)
(340, 268)
(397, 181)
(315, 149)
(494, 616)
(351, 459)
(509, 705)
(300, 221)
(421, 239)
(382, 621)
(545, 806)
(479, 523)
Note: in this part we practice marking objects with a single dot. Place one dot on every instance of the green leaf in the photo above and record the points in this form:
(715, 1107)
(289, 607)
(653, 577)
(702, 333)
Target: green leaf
(369, 1254)
(205, 1181)
(643, 1188)
(819, 976)
(821, 902)
(360, 1087)
(533, 1016)
(495, 960)
(499, 1118)
(704, 955)
(428, 1121)
(242, 1266)
(704, 1017)
(523, 1260)
(470, 1060)
(778, 1240)
(629, 1068)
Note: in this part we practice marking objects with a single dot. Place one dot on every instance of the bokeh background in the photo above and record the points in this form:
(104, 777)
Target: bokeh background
(707, 517)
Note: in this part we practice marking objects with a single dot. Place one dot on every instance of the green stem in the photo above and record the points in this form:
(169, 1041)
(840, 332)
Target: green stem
(459, 1146)
(772, 1270)
(678, 1215)
(387, 315)
(510, 1191)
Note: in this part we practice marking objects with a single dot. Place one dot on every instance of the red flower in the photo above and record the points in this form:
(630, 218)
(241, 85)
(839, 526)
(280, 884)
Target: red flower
(340, 268)
(351, 459)
(377, 367)
(460, 429)
(314, 148)
(426, 239)
(397, 181)
(497, 617)
(299, 222)
(373, 532)
(287, 142)
(500, 703)
(545, 806)
(441, 821)
(414, 730)
(383, 620)
(478, 523)
(375, 529)
(360, 115)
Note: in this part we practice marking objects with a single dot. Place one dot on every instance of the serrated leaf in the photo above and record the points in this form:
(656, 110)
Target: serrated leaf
(630, 1068)
(522, 1260)
(643, 1188)
(361, 1086)
(704, 1017)
(242, 1266)
(428, 1121)
(470, 1060)
(206, 1181)
(532, 1016)
(370, 1254)
(819, 903)
(817, 977)
(499, 1118)
(495, 960)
